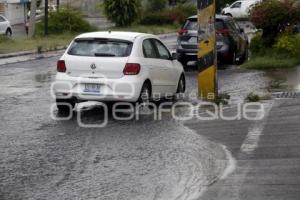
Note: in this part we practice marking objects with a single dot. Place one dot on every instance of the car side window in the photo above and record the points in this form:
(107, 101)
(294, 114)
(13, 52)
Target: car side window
(162, 50)
(237, 5)
(148, 49)
(1, 19)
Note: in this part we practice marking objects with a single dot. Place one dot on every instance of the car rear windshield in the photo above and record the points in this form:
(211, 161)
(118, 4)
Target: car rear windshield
(219, 24)
(192, 24)
(99, 47)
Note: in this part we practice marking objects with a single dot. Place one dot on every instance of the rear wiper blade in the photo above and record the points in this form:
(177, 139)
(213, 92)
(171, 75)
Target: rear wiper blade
(104, 55)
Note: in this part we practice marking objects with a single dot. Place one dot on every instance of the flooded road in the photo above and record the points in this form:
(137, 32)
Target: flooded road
(46, 159)
(42, 158)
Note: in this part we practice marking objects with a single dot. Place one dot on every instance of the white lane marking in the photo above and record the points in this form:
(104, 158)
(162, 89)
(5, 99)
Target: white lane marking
(231, 164)
(255, 131)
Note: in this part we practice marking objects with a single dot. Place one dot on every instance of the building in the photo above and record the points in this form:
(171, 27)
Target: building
(14, 10)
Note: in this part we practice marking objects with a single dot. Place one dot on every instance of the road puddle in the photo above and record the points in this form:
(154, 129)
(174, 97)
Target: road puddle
(284, 79)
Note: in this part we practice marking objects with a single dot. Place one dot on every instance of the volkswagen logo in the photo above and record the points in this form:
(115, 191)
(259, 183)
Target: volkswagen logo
(93, 66)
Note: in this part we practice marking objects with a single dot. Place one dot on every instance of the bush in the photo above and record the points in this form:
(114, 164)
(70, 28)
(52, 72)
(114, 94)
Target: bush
(272, 16)
(178, 14)
(155, 18)
(183, 11)
(65, 20)
(156, 5)
(122, 12)
(288, 45)
(257, 44)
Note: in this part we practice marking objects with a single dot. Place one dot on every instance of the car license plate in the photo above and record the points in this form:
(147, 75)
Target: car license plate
(92, 88)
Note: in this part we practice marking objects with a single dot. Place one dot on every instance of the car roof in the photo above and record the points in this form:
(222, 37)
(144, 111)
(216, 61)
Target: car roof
(217, 17)
(130, 36)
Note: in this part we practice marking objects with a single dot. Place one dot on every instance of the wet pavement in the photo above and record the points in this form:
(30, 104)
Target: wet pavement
(46, 159)
(42, 158)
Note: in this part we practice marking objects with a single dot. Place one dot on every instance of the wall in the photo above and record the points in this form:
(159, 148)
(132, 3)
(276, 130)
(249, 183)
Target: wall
(14, 12)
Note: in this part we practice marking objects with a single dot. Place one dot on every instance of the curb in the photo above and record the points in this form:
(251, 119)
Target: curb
(31, 52)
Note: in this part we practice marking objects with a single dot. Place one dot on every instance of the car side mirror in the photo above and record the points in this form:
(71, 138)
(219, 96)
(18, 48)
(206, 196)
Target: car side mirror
(227, 5)
(174, 56)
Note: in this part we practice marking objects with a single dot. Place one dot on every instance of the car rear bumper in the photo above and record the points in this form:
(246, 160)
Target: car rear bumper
(126, 89)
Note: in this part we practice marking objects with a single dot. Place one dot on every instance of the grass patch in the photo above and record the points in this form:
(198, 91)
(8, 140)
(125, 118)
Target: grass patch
(252, 97)
(39, 42)
(271, 62)
(9, 45)
(152, 29)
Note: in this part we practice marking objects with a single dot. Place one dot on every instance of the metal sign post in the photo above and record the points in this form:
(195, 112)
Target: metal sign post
(207, 54)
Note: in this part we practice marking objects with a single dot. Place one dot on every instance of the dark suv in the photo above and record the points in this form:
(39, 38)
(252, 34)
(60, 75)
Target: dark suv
(232, 42)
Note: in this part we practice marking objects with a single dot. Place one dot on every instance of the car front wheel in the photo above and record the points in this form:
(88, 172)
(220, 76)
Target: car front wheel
(8, 32)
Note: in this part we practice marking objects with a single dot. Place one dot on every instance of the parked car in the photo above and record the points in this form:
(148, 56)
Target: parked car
(232, 42)
(239, 9)
(116, 66)
(5, 27)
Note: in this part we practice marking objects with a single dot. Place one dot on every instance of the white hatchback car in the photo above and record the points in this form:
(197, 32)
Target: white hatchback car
(239, 9)
(116, 66)
(5, 27)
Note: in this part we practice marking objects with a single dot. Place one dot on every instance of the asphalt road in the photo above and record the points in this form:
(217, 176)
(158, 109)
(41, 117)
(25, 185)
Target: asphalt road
(146, 159)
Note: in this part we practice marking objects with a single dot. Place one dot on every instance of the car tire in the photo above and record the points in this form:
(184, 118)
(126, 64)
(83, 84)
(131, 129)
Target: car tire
(233, 58)
(145, 95)
(245, 56)
(229, 14)
(65, 105)
(181, 85)
(8, 32)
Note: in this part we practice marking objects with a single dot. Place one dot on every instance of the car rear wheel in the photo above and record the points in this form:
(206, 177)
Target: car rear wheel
(233, 58)
(181, 85)
(145, 95)
(244, 57)
(65, 105)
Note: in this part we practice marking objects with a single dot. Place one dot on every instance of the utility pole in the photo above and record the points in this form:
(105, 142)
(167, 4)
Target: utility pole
(207, 54)
(32, 18)
(46, 18)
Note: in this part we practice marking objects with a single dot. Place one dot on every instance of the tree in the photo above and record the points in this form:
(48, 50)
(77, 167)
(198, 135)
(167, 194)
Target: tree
(273, 17)
(122, 12)
(32, 18)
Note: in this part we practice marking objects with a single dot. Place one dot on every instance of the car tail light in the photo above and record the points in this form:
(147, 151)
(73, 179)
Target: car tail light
(182, 31)
(61, 66)
(223, 32)
(132, 69)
